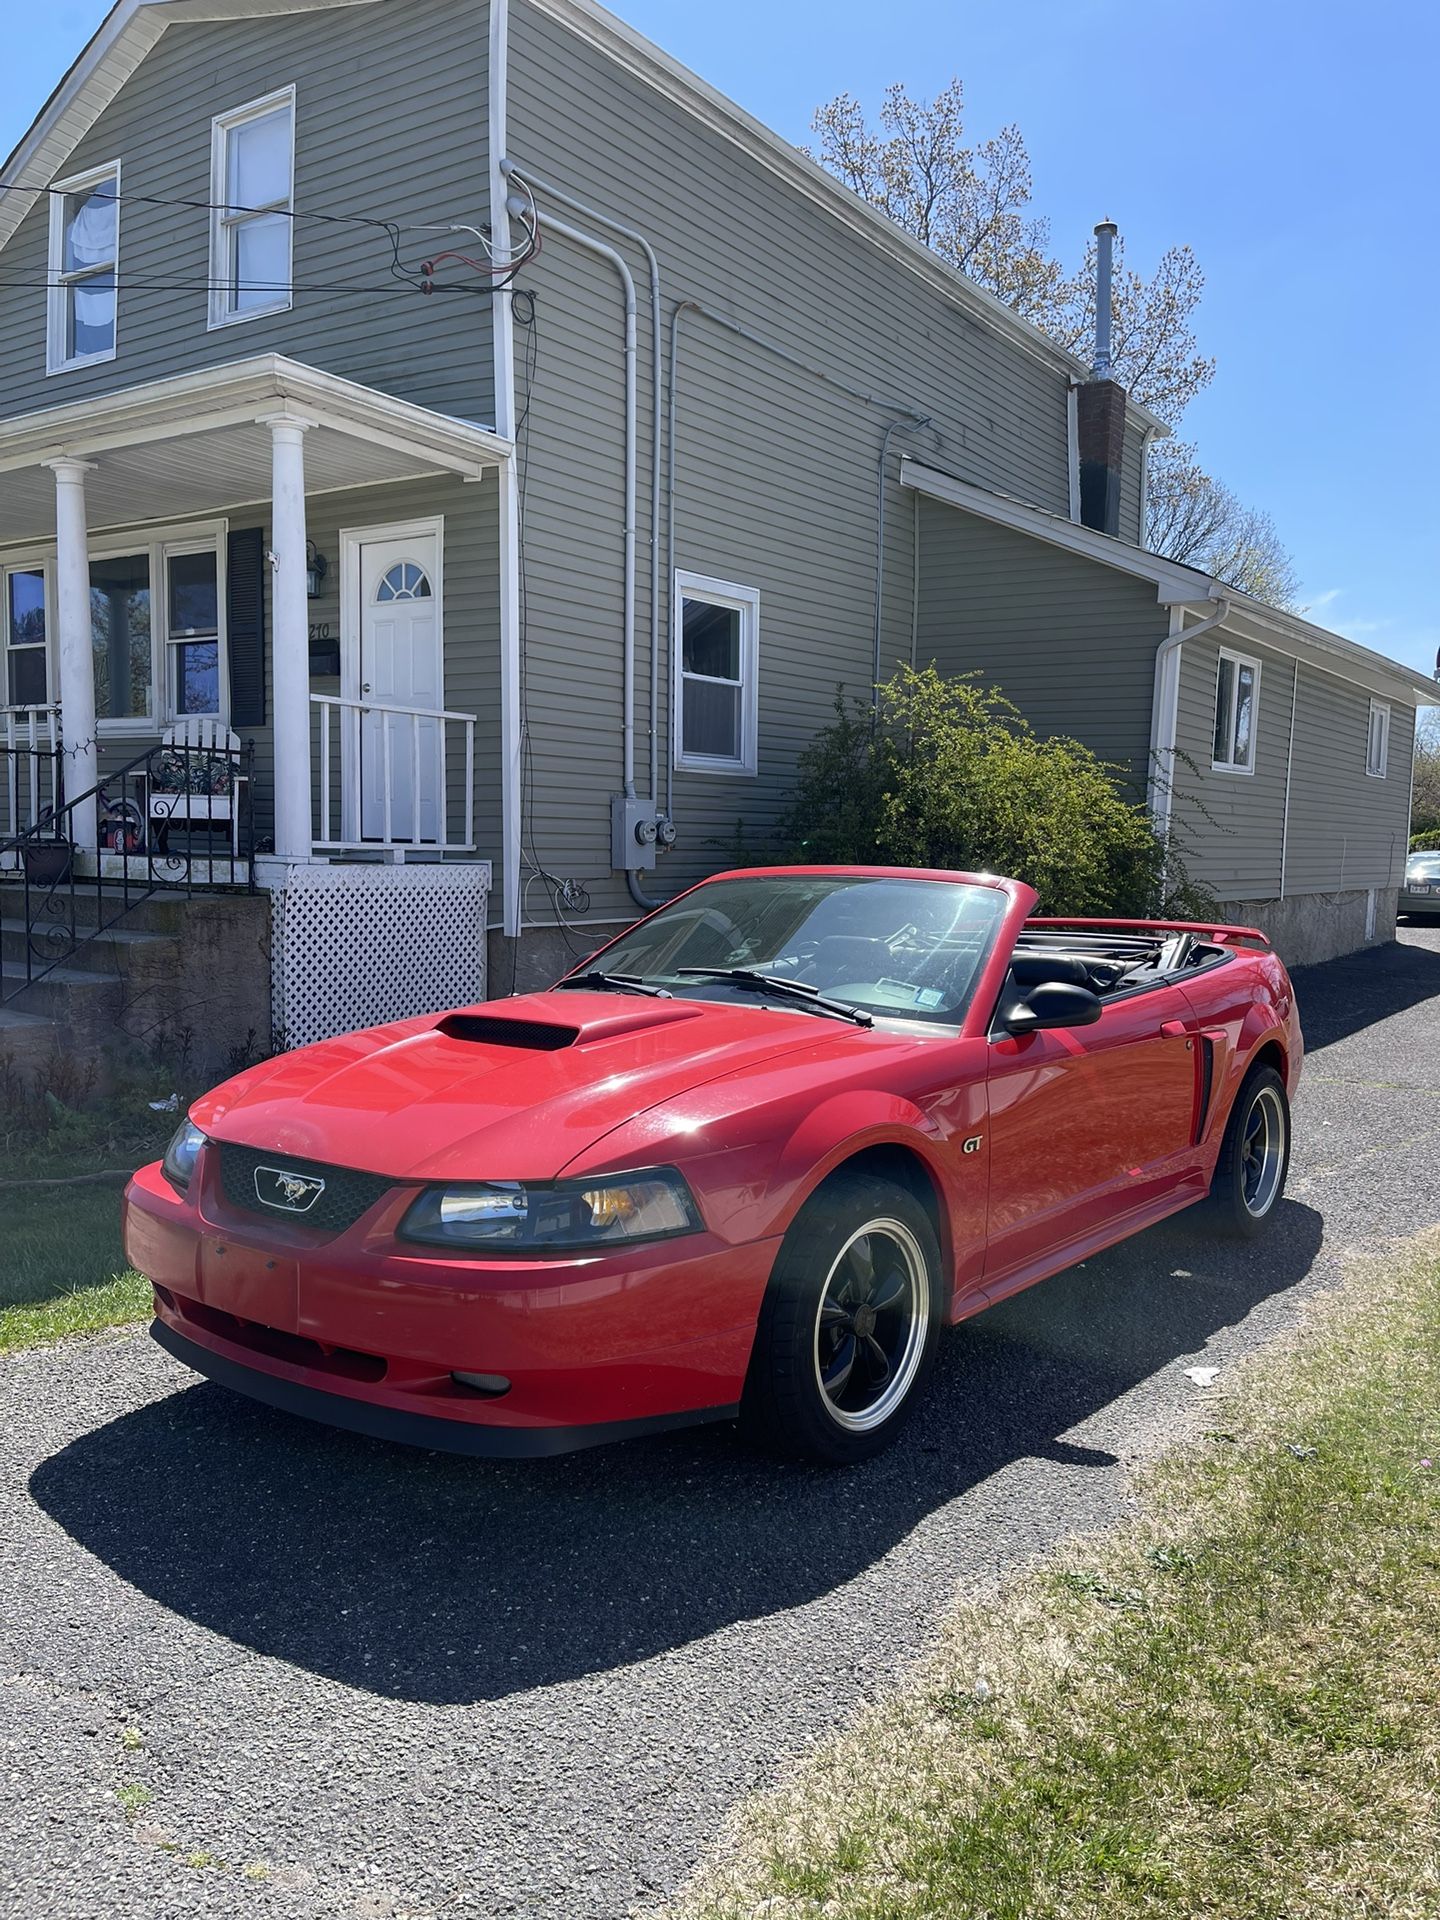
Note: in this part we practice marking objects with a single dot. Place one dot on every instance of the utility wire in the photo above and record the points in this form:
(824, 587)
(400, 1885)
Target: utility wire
(123, 283)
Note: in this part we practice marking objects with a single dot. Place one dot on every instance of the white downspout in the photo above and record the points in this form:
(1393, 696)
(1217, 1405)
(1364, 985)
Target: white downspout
(627, 281)
(1165, 709)
(536, 185)
(502, 331)
(1289, 768)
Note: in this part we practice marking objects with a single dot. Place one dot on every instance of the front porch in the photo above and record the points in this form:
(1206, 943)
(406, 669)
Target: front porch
(162, 584)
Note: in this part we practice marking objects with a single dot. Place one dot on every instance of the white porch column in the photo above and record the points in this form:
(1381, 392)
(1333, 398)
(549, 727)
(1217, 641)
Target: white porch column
(77, 659)
(290, 637)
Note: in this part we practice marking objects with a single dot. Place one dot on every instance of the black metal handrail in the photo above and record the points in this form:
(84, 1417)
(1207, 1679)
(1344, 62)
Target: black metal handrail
(146, 816)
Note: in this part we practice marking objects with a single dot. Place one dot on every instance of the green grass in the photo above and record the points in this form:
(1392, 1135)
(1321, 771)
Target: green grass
(62, 1268)
(1230, 1708)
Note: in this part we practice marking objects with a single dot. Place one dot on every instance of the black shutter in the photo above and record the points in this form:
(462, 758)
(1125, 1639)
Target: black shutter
(245, 610)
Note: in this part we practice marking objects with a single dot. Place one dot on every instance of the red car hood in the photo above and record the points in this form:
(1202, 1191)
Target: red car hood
(509, 1090)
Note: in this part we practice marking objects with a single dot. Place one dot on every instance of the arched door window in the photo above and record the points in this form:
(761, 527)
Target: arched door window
(404, 581)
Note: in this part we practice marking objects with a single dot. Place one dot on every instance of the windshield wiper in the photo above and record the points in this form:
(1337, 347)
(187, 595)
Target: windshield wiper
(616, 983)
(772, 983)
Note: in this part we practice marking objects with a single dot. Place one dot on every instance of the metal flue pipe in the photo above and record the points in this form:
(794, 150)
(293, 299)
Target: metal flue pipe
(1105, 235)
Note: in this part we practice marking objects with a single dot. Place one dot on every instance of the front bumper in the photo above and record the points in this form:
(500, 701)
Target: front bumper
(1418, 902)
(366, 1332)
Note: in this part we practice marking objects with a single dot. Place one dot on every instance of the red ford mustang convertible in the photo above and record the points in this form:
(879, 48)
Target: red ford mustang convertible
(744, 1163)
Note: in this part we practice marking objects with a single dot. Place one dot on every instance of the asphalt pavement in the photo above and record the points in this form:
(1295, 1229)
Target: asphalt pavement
(368, 1682)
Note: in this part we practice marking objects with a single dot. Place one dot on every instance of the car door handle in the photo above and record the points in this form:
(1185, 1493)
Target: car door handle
(1175, 1030)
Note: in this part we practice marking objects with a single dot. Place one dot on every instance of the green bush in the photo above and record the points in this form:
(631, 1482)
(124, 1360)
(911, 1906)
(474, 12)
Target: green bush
(949, 774)
(1425, 842)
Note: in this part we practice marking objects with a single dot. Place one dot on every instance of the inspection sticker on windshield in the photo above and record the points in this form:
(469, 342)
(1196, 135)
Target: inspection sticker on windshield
(921, 996)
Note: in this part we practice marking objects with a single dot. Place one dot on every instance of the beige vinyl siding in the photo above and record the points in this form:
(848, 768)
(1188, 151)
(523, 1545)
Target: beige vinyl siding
(1071, 642)
(1229, 827)
(776, 470)
(1346, 829)
(390, 122)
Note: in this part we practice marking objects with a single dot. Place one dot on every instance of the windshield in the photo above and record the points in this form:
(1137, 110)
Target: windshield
(1423, 866)
(897, 948)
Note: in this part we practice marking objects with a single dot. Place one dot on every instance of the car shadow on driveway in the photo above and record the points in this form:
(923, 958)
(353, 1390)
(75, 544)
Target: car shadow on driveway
(426, 1577)
(1342, 997)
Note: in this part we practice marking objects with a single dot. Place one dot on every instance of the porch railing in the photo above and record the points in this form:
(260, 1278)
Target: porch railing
(394, 777)
(31, 776)
(175, 818)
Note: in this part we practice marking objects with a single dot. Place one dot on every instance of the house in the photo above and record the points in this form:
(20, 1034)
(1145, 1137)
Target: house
(512, 443)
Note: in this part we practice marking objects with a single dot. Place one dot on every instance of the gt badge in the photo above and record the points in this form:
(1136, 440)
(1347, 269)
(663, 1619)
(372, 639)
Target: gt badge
(972, 1145)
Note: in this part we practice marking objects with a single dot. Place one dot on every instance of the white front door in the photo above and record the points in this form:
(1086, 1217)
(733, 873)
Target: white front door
(399, 663)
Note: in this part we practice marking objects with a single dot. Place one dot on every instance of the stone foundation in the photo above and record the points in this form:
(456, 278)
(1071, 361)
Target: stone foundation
(1311, 927)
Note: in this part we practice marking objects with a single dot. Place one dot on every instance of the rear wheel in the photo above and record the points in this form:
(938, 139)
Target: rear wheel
(1254, 1157)
(848, 1330)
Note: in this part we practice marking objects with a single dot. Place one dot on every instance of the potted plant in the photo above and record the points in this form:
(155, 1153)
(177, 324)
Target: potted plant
(47, 862)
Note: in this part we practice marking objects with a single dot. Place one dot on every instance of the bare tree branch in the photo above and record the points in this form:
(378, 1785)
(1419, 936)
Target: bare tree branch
(970, 204)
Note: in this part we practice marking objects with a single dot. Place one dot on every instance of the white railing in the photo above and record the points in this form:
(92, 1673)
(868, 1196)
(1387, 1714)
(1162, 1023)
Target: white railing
(394, 776)
(30, 752)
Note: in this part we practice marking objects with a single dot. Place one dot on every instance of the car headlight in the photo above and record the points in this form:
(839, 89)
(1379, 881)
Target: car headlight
(563, 1215)
(178, 1166)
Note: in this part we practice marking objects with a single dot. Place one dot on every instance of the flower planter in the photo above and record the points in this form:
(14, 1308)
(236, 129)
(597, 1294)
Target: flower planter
(47, 862)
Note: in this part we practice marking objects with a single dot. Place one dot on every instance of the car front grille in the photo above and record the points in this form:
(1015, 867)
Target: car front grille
(347, 1194)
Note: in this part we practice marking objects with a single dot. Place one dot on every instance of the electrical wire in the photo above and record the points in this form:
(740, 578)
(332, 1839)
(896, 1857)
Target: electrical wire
(393, 229)
(124, 284)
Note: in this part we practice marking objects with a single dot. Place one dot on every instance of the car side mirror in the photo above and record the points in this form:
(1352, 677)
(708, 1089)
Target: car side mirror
(1053, 1003)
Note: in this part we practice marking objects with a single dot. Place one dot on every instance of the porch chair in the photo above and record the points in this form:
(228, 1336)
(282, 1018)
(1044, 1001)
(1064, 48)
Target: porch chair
(195, 779)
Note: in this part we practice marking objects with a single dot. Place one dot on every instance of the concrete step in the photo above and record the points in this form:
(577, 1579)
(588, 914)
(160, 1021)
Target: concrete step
(72, 996)
(160, 913)
(107, 952)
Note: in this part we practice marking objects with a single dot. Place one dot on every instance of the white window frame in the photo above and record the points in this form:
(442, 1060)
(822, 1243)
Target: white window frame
(59, 282)
(166, 642)
(1237, 660)
(157, 544)
(746, 602)
(28, 563)
(1379, 709)
(222, 312)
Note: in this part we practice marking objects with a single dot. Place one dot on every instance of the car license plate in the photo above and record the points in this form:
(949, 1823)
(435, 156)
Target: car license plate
(1418, 886)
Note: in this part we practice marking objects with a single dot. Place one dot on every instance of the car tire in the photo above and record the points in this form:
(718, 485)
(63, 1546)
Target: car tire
(849, 1325)
(1254, 1157)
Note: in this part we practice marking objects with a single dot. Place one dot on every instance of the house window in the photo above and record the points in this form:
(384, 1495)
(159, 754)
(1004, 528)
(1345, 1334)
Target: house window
(84, 258)
(717, 635)
(27, 680)
(252, 178)
(1377, 751)
(121, 636)
(192, 632)
(1237, 696)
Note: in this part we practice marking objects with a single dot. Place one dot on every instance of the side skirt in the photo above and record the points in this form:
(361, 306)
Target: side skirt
(1003, 1285)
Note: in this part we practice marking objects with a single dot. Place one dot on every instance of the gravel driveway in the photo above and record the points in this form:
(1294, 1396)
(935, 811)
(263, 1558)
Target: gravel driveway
(371, 1682)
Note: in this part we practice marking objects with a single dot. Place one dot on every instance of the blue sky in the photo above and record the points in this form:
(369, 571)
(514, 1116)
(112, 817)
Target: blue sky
(1293, 143)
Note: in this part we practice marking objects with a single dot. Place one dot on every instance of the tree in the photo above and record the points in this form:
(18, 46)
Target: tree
(948, 774)
(970, 204)
(1193, 518)
(1425, 805)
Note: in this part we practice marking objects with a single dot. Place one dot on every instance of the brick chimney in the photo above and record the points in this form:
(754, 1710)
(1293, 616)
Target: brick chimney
(1100, 407)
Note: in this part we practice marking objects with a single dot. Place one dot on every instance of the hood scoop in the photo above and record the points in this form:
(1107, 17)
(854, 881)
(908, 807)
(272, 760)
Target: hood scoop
(494, 1030)
(592, 1016)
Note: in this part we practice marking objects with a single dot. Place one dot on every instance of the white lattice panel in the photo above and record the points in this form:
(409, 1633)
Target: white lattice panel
(354, 946)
